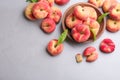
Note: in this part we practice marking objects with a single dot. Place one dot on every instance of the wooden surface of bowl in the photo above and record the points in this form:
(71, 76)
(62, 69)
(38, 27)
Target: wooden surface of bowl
(70, 10)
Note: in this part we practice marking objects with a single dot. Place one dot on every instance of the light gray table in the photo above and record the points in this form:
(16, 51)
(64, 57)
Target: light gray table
(23, 53)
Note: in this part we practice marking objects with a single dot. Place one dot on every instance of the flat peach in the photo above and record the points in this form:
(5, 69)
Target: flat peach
(107, 45)
(91, 54)
(53, 49)
(28, 12)
(114, 12)
(112, 25)
(97, 3)
(94, 25)
(55, 14)
(71, 21)
(40, 10)
(107, 4)
(48, 25)
(92, 12)
(80, 33)
(50, 2)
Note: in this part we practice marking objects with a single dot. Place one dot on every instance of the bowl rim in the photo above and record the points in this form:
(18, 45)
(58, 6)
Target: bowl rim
(88, 4)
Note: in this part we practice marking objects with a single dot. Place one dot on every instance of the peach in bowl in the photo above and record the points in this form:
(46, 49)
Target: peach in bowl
(81, 21)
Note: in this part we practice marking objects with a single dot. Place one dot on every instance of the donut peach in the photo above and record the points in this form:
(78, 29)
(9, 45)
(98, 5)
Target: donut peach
(80, 33)
(28, 12)
(48, 25)
(40, 10)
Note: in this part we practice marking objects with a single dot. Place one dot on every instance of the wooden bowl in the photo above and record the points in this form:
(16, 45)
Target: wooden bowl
(70, 10)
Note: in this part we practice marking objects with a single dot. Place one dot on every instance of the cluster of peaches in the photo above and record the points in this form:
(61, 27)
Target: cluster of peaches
(45, 10)
(82, 23)
(107, 46)
(50, 16)
(112, 8)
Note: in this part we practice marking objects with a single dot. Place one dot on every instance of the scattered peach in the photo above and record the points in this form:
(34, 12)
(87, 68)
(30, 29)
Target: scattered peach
(28, 12)
(91, 54)
(50, 2)
(112, 25)
(97, 3)
(61, 2)
(40, 10)
(107, 4)
(115, 12)
(55, 14)
(53, 48)
(107, 46)
(48, 25)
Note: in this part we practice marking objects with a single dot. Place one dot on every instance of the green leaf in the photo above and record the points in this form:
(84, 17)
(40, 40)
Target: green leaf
(62, 37)
(100, 18)
(94, 34)
(31, 1)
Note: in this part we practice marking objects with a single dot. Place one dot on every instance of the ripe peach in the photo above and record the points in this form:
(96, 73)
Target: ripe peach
(107, 46)
(115, 12)
(48, 25)
(61, 2)
(93, 25)
(50, 2)
(55, 14)
(80, 33)
(40, 10)
(81, 12)
(92, 12)
(71, 21)
(53, 48)
(97, 3)
(107, 4)
(28, 12)
(91, 54)
(112, 25)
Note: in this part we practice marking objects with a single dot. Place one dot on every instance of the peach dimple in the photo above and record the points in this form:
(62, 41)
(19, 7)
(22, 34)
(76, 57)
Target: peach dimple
(112, 25)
